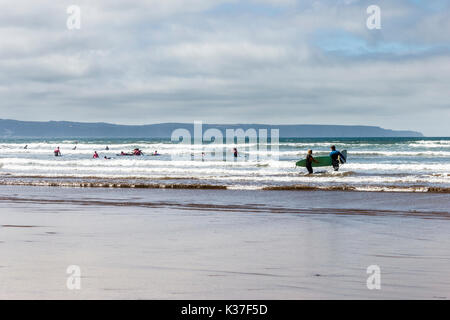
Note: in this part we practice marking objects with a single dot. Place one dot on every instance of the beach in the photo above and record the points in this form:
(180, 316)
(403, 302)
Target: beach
(222, 244)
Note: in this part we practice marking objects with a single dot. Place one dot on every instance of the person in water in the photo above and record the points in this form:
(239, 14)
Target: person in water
(235, 152)
(309, 160)
(57, 152)
(335, 155)
(26, 147)
(95, 156)
(107, 148)
(137, 152)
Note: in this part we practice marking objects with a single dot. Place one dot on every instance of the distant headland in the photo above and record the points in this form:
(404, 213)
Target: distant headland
(66, 129)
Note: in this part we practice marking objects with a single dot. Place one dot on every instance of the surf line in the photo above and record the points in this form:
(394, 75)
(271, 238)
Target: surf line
(193, 310)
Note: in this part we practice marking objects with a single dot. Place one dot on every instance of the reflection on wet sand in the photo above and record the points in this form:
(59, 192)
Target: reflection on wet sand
(214, 244)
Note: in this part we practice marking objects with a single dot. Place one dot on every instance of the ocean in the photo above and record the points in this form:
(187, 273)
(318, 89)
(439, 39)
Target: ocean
(374, 164)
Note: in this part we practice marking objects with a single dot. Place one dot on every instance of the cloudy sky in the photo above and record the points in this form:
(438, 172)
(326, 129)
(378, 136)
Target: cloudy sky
(228, 61)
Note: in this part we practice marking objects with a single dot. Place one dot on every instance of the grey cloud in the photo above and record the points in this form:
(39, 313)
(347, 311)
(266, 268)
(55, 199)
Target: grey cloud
(155, 61)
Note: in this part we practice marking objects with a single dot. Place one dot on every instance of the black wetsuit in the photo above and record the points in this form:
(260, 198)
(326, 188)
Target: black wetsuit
(309, 160)
(335, 159)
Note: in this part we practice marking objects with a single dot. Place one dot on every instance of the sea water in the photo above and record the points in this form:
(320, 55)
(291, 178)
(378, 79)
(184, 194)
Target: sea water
(373, 164)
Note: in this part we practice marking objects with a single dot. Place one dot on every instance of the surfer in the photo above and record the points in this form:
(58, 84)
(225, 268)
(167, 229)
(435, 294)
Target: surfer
(26, 147)
(335, 158)
(309, 160)
(95, 156)
(135, 152)
(107, 148)
(235, 152)
(57, 152)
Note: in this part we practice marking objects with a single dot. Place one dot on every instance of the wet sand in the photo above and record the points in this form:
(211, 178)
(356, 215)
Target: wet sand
(222, 244)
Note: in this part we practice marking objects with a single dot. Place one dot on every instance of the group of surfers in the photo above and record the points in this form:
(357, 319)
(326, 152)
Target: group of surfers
(135, 152)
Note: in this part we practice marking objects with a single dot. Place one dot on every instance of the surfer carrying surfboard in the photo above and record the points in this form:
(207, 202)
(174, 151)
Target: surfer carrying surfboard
(336, 158)
(332, 159)
(309, 160)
